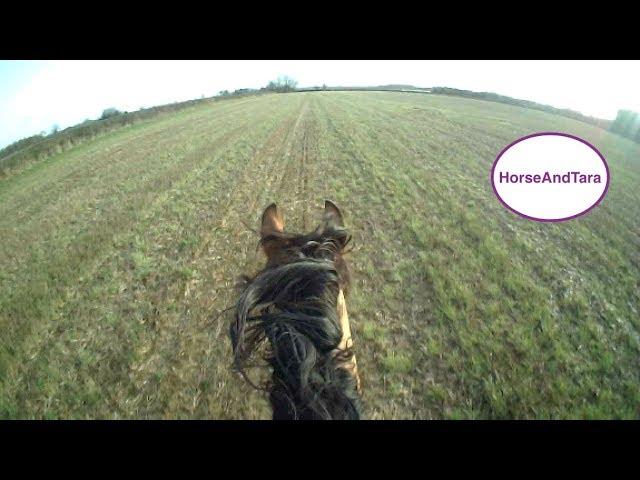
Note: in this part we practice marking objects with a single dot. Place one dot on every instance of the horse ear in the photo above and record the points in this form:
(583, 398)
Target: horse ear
(332, 215)
(272, 221)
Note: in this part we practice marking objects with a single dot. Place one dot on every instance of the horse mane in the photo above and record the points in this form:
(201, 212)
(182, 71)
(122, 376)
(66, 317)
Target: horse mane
(289, 312)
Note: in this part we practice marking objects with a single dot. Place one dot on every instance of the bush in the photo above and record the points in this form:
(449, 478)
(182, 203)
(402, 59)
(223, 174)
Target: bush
(110, 112)
(20, 144)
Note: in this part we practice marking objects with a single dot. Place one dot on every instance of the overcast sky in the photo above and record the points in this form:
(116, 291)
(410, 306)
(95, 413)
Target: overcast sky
(35, 95)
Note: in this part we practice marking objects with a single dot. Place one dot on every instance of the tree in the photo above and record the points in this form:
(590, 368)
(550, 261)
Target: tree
(282, 84)
(627, 124)
(55, 129)
(110, 112)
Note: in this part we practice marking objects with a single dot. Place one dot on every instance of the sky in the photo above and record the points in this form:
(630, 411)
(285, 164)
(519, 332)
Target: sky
(35, 95)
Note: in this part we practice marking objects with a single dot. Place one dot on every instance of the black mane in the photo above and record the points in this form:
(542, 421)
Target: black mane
(290, 309)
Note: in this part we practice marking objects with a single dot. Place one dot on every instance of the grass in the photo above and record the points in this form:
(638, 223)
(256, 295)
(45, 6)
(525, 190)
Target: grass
(397, 363)
(119, 255)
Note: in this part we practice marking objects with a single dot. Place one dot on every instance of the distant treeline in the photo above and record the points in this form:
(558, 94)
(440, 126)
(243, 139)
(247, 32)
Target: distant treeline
(280, 85)
(384, 88)
(41, 146)
(494, 97)
(627, 124)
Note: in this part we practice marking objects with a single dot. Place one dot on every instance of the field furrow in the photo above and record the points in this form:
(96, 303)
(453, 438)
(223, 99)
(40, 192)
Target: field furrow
(120, 257)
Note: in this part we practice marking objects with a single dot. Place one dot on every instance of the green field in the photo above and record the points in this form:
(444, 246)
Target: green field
(117, 257)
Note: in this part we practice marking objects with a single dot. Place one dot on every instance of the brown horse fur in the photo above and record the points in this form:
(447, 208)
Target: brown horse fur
(295, 308)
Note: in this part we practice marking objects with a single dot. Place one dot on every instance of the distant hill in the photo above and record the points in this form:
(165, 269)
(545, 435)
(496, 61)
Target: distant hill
(494, 97)
(488, 96)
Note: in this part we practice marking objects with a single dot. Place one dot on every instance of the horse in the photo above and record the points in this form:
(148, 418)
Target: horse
(294, 312)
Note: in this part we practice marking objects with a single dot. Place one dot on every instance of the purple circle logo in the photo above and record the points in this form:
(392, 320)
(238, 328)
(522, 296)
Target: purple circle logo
(550, 177)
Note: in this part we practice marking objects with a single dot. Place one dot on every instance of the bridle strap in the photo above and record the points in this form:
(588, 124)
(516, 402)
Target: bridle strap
(347, 340)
